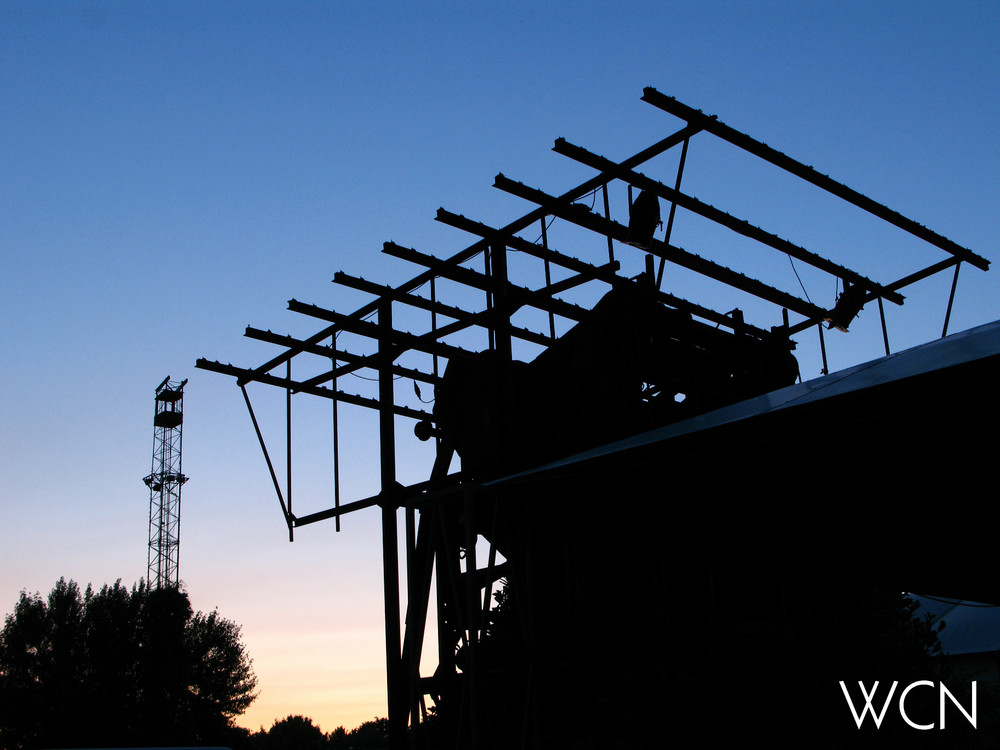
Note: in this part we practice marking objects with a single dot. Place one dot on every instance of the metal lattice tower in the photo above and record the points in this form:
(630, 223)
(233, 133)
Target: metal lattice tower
(164, 482)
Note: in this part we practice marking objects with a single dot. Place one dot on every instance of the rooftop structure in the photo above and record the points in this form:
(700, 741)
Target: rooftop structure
(617, 456)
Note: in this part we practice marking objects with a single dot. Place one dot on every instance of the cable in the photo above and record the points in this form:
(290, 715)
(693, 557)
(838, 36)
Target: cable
(535, 241)
(372, 380)
(795, 271)
(592, 194)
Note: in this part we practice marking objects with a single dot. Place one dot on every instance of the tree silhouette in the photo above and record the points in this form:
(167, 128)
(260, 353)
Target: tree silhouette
(119, 667)
(373, 734)
(292, 733)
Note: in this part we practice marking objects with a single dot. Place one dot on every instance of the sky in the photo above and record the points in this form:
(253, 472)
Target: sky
(172, 172)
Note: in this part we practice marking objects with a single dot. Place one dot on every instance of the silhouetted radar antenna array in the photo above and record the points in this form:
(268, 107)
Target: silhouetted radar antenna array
(639, 358)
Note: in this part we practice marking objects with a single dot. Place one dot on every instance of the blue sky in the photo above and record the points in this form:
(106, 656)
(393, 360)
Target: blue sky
(172, 172)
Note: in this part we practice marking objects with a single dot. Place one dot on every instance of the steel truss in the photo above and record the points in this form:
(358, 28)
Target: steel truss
(447, 515)
(165, 481)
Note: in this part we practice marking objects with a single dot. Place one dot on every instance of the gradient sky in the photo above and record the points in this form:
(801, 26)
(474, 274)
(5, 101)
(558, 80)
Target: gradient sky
(172, 172)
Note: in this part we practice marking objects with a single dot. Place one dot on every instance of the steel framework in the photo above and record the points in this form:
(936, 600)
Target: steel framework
(164, 481)
(502, 672)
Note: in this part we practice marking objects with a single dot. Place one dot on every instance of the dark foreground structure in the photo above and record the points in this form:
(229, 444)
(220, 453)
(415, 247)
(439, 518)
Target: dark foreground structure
(647, 476)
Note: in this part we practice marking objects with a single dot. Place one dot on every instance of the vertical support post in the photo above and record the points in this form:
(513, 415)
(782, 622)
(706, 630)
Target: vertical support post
(446, 566)
(411, 538)
(490, 301)
(434, 327)
(548, 281)
(409, 659)
(822, 347)
(500, 326)
(951, 299)
(440, 463)
(607, 215)
(288, 445)
(673, 210)
(408, 656)
(501, 308)
(885, 331)
(395, 677)
(738, 321)
(336, 434)
(418, 586)
(472, 620)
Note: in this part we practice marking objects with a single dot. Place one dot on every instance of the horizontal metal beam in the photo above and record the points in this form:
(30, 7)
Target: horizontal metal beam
(762, 150)
(519, 296)
(411, 496)
(428, 342)
(580, 266)
(529, 248)
(422, 303)
(925, 273)
(903, 282)
(581, 215)
(401, 339)
(740, 226)
(244, 375)
(515, 226)
(570, 282)
(337, 354)
(389, 292)
(443, 268)
(343, 510)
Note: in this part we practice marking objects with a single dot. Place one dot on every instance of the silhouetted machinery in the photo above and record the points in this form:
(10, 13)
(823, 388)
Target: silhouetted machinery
(643, 537)
(630, 365)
